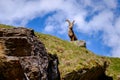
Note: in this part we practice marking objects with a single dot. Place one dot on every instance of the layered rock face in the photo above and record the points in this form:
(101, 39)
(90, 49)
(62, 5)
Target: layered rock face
(24, 57)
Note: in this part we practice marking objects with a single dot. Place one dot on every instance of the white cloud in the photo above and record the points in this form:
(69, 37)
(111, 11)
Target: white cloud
(101, 21)
(19, 12)
(49, 28)
(117, 25)
(25, 10)
(115, 39)
(111, 3)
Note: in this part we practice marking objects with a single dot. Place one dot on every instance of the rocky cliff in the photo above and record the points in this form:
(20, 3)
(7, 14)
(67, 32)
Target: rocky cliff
(24, 57)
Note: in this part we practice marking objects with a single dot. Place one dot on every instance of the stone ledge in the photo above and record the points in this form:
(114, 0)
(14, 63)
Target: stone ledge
(79, 43)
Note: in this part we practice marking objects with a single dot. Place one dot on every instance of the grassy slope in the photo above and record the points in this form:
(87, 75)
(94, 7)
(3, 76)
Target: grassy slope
(72, 57)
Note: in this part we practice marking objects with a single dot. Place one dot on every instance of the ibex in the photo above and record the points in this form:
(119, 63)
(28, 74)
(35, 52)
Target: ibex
(71, 33)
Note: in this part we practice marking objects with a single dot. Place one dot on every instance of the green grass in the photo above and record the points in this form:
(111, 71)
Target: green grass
(73, 58)
(114, 68)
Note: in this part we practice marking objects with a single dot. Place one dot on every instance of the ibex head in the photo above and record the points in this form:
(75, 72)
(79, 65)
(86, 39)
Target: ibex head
(70, 23)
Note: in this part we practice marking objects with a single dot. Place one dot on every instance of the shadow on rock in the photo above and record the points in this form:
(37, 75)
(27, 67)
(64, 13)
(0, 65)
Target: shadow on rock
(53, 71)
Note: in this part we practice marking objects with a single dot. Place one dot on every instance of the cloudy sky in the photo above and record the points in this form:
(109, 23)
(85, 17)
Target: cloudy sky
(96, 21)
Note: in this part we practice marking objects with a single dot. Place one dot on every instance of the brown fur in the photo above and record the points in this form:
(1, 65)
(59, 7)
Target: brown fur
(71, 33)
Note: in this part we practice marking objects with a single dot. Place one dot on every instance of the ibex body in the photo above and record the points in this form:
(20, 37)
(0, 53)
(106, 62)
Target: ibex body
(71, 33)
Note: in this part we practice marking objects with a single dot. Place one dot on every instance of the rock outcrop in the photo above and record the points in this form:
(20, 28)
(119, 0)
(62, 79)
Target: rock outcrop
(95, 73)
(24, 57)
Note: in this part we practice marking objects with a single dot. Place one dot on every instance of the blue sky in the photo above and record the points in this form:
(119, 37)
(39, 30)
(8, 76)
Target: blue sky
(96, 21)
